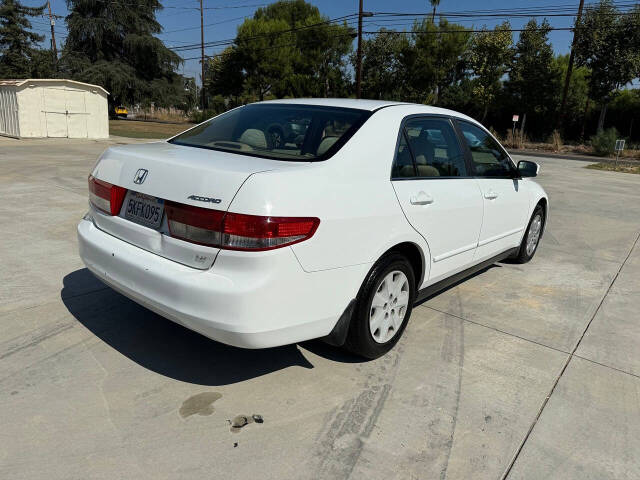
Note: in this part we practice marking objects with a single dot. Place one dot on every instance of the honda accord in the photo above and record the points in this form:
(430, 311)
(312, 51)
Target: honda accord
(258, 241)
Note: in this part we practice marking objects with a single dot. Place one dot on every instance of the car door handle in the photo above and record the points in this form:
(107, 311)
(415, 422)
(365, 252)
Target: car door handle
(421, 198)
(491, 195)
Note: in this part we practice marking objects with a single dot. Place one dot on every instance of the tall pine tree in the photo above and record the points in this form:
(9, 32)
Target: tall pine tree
(16, 39)
(534, 81)
(111, 43)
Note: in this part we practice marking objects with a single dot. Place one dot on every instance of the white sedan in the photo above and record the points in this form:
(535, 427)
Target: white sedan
(332, 228)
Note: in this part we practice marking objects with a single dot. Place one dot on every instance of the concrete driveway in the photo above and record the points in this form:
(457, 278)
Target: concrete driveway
(523, 371)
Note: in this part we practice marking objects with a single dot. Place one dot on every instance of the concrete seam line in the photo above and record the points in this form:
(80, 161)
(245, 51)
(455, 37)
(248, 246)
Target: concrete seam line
(566, 364)
(495, 329)
(606, 366)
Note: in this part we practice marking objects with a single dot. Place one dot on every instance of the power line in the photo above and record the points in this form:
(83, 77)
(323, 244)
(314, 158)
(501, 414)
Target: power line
(467, 30)
(221, 7)
(230, 41)
(524, 10)
(350, 18)
(274, 47)
(198, 27)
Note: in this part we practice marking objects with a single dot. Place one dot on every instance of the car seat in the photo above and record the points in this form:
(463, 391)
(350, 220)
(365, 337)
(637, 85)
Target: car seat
(424, 151)
(254, 137)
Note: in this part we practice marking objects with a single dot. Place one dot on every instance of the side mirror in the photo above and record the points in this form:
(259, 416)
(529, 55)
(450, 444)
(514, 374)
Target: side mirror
(528, 169)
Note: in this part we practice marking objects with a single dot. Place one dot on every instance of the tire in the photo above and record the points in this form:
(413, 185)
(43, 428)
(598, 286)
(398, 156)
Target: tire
(391, 276)
(531, 238)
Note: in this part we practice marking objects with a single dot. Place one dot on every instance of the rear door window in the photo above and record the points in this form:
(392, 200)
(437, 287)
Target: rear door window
(432, 145)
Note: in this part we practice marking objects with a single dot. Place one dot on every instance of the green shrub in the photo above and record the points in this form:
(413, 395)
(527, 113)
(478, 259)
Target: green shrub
(199, 116)
(604, 142)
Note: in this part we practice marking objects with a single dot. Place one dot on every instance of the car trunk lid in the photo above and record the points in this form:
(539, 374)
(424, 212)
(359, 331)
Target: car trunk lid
(163, 171)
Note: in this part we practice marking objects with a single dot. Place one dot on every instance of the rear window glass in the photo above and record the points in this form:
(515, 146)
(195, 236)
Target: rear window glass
(278, 131)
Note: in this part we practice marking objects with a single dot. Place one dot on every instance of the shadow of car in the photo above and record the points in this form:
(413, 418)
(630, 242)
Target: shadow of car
(163, 346)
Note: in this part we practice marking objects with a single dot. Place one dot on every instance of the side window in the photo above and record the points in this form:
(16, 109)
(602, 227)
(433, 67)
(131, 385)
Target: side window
(403, 166)
(488, 157)
(435, 148)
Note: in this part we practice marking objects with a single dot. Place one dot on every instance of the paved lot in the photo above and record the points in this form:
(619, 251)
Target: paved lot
(94, 386)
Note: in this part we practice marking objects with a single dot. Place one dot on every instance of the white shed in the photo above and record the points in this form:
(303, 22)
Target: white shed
(53, 108)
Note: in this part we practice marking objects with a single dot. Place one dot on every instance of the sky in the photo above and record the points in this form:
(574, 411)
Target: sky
(184, 15)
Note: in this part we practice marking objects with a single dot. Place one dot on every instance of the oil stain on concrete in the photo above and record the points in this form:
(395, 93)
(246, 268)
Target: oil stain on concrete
(199, 404)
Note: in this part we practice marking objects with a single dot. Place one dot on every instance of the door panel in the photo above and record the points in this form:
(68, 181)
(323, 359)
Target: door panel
(56, 124)
(450, 222)
(76, 114)
(438, 198)
(55, 108)
(506, 204)
(505, 209)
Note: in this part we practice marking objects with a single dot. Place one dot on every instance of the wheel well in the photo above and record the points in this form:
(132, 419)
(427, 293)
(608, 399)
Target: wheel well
(415, 256)
(543, 202)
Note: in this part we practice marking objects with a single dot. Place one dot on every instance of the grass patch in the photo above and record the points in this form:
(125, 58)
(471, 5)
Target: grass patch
(624, 167)
(133, 129)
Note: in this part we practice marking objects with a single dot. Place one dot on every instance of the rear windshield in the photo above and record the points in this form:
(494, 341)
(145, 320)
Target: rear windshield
(279, 131)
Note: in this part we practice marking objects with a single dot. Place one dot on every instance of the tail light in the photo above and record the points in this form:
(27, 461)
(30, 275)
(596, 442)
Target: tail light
(106, 197)
(236, 231)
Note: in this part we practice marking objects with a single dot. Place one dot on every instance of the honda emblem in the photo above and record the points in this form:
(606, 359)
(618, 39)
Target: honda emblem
(140, 176)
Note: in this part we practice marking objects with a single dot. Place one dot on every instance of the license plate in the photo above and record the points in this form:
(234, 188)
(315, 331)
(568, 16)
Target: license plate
(144, 209)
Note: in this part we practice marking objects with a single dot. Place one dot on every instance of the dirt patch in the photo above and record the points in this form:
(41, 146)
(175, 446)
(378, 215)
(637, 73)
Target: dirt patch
(134, 129)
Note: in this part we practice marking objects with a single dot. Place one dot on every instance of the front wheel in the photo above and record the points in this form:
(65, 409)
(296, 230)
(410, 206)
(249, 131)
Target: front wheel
(383, 307)
(531, 237)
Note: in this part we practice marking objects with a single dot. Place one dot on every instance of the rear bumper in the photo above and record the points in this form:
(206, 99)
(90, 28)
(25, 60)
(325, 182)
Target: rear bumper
(250, 300)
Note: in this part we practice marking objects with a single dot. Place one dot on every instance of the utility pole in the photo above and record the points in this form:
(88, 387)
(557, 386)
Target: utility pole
(204, 95)
(567, 79)
(359, 54)
(361, 14)
(54, 47)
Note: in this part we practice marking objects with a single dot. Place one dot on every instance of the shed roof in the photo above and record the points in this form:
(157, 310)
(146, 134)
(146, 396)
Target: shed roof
(20, 82)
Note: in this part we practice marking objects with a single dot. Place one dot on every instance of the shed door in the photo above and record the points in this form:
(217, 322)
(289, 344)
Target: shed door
(55, 110)
(76, 114)
(66, 112)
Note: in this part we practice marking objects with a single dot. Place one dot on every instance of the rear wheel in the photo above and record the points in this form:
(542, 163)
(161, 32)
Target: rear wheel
(531, 238)
(383, 307)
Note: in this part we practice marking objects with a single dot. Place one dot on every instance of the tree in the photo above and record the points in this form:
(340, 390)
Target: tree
(608, 43)
(294, 51)
(441, 58)
(289, 49)
(113, 44)
(383, 73)
(41, 65)
(16, 39)
(434, 4)
(626, 111)
(577, 103)
(489, 59)
(534, 78)
(265, 49)
(224, 74)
